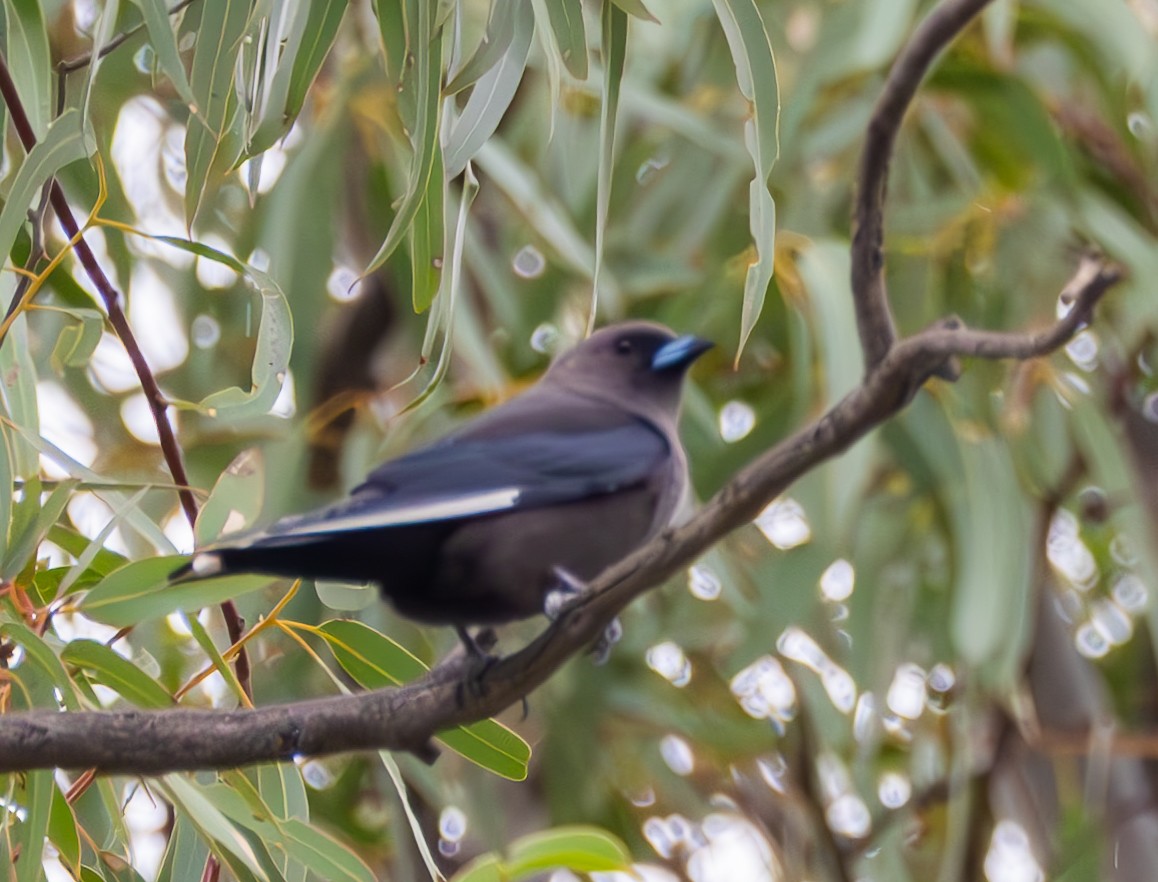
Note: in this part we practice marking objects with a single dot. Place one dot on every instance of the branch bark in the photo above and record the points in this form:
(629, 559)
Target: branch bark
(407, 718)
(874, 319)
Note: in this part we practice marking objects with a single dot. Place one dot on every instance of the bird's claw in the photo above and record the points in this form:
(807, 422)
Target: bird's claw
(601, 648)
(567, 590)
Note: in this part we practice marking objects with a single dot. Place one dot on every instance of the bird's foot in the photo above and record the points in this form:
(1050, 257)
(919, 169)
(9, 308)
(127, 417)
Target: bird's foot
(480, 645)
(479, 660)
(567, 590)
(601, 648)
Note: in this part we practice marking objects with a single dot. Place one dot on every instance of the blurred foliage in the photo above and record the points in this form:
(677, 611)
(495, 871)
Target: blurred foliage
(290, 213)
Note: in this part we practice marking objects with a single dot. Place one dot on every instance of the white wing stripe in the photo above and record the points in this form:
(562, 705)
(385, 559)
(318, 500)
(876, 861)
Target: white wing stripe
(435, 510)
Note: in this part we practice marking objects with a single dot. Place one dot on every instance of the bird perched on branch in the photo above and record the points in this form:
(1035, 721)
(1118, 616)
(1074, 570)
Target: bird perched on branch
(545, 490)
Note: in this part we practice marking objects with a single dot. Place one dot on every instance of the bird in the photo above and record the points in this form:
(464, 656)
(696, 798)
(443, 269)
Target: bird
(540, 493)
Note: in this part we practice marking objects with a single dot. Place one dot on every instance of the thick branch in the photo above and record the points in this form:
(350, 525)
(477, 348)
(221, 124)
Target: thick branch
(152, 742)
(873, 317)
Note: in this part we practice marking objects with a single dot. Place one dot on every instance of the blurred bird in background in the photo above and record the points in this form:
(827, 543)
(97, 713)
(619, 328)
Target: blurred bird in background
(538, 494)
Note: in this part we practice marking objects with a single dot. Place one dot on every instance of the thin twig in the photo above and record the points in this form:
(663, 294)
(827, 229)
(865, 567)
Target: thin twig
(870, 295)
(74, 64)
(35, 251)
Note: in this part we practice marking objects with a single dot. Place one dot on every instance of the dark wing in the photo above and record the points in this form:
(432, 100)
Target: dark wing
(494, 465)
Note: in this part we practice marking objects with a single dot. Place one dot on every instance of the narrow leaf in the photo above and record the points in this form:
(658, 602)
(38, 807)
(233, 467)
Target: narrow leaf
(491, 96)
(223, 25)
(141, 590)
(163, 40)
(30, 61)
(61, 144)
(614, 52)
(495, 42)
(756, 76)
(111, 669)
(566, 17)
(423, 87)
(322, 854)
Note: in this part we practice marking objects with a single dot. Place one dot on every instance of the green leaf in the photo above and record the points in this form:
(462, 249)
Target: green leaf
(825, 269)
(141, 590)
(491, 96)
(63, 832)
(109, 668)
(103, 563)
(424, 42)
(223, 25)
(321, 27)
(427, 235)
(492, 746)
(77, 342)
(41, 677)
(240, 488)
(213, 654)
(18, 393)
(213, 825)
(371, 658)
(29, 61)
(579, 848)
(756, 76)
(270, 358)
(7, 487)
(636, 9)
(322, 854)
(32, 521)
(376, 661)
(566, 17)
(614, 53)
(292, 57)
(185, 849)
(62, 144)
(28, 836)
(991, 601)
(163, 41)
(282, 789)
(495, 42)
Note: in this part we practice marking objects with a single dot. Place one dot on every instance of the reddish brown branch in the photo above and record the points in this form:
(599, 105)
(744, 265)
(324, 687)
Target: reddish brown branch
(170, 449)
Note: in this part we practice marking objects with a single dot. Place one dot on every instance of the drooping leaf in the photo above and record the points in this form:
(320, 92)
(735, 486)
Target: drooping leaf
(756, 76)
(492, 95)
(566, 17)
(222, 28)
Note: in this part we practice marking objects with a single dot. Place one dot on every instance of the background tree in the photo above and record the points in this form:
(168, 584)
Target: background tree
(929, 659)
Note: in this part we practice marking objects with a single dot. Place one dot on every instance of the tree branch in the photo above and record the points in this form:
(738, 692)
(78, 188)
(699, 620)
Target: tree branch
(870, 295)
(406, 718)
(152, 742)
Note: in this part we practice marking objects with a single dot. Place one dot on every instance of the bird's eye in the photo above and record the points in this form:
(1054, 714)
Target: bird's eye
(623, 347)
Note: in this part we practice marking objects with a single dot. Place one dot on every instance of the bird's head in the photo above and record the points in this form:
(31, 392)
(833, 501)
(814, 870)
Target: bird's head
(639, 364)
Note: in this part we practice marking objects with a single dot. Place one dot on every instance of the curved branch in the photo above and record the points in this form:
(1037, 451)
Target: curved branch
(152, 742)
(870, 295)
